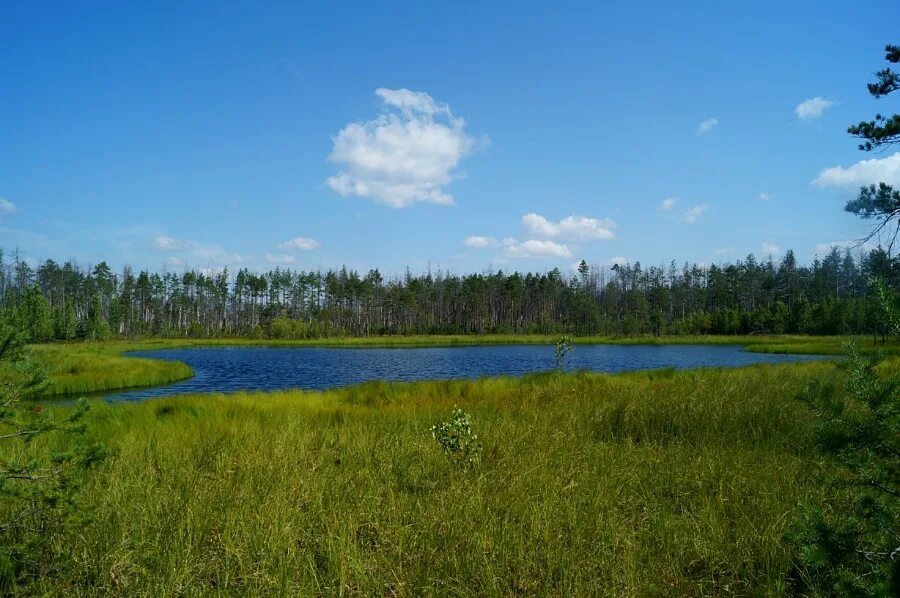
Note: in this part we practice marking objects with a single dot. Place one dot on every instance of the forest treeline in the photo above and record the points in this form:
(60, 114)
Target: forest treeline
(829, 296)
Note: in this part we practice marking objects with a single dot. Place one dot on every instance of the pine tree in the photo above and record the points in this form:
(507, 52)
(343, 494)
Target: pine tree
(880, 202)
(37, 487)
(34, 316)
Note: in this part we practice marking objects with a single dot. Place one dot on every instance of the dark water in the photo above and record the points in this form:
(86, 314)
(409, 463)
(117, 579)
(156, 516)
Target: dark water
(226, 369)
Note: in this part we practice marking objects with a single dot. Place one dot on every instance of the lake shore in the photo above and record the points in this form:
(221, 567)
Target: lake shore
(91, 367)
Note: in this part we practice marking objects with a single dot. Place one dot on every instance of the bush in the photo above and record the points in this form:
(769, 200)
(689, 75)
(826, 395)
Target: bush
(563, 347)
(283, 327)
(458, 440)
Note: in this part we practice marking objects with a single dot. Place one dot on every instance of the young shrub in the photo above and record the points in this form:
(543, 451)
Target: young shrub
(37, 487)
(853, 547)
(458, 440)
(564, 346)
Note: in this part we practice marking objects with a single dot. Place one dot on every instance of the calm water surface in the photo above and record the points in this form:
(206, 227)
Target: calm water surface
(228, 369)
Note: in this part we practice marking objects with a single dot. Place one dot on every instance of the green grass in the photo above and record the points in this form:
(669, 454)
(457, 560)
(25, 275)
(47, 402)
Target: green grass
(96, 367)
(79, 368)
(659, 483)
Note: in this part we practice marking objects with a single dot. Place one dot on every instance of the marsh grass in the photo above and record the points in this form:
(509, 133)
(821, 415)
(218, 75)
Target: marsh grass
(659, 483)
(78, 368)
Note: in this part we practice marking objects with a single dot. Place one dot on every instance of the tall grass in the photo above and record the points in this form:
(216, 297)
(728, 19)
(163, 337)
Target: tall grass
(661, 483)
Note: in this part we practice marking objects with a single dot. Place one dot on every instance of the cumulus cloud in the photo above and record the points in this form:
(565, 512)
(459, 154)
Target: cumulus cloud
(693, 213)
(405, 155)
(549, 234)
(864, 172)
(479, 242)
(770, 248)
(707, 125)
(6, 206)
(280, 258)
(724, 250)
(304, 243)
(765, 197)
(174, 262)
(575, 228)
(812, 108)
(534, 248)
(668, 203)
(203, 252)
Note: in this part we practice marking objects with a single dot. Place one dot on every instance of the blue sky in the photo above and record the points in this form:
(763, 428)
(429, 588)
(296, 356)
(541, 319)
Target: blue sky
(467, 136)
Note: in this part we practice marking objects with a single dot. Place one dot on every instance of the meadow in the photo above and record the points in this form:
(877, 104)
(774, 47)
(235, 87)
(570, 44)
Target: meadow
(645, 483)
(86, 367)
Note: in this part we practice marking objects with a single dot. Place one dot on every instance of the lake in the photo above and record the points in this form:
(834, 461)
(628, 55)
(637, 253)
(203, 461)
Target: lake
(228, 369)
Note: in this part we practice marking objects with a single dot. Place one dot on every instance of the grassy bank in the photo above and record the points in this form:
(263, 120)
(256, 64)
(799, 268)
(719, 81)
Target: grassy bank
(665, 483)
(95, 367)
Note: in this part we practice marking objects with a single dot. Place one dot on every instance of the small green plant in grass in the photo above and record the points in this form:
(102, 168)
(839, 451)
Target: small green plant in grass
(563, 347)
(458, 440)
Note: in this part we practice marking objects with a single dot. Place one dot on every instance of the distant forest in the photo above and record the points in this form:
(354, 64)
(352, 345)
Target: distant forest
(830, 296)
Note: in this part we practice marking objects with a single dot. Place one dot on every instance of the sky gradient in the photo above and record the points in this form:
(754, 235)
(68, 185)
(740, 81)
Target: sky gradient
(471, 137)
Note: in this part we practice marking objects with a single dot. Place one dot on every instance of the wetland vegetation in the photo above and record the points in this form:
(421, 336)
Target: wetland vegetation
(644, 483)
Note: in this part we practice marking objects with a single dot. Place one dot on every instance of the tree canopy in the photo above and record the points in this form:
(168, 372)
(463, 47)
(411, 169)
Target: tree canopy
(829, 296)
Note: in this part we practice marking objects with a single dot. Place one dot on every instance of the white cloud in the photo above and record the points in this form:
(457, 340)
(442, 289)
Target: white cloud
(576, 228)
(406, 155)
(765, 197)
(693, 213)
(534, 248)
(479, 242)
(724, 250)
(864, 172)
(174, 261)
(280, 258)
(198, 252)
(707, 125)
(812, 108)
(618, 261)
(6, 206)
(770, 248)
(169, 244)
(668, 203)
(412, 102)
(304, 243)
